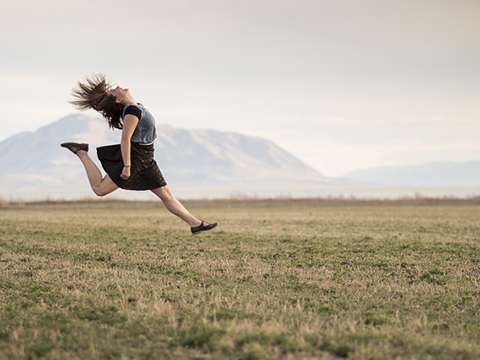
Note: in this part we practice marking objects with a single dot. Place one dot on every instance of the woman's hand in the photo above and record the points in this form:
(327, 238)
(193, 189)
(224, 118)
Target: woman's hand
(125, 175)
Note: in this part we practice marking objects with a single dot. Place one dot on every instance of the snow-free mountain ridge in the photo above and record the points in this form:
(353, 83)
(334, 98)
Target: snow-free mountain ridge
(434, 174)
(34, 161)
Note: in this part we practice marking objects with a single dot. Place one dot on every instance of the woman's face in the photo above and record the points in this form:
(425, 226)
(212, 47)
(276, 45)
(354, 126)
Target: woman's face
(119, 93)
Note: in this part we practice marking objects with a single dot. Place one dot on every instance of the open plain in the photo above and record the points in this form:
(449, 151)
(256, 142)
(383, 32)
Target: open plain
(285, 280)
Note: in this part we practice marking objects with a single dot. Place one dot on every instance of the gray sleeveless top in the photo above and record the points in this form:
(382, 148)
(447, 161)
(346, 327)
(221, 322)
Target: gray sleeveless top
(145, 133)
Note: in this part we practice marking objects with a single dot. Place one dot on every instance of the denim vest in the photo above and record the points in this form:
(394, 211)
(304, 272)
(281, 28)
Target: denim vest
(145, 132)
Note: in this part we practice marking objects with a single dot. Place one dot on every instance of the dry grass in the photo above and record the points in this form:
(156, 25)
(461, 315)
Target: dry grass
(273, 282)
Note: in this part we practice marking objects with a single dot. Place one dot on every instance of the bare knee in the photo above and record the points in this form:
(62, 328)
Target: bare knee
(99, 191)
(164, 193)
(105, 187)
(167, 194)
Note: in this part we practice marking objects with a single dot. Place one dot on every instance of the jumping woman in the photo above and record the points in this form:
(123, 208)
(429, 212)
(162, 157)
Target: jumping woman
(129, 165)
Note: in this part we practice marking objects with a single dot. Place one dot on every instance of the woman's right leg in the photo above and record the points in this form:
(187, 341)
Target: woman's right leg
(175, 206)
(100, 186)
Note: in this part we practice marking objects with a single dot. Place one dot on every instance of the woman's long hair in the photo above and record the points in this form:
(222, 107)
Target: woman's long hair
(92, 94)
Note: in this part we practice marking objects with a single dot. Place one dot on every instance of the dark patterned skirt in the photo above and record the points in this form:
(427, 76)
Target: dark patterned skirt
(145, 173)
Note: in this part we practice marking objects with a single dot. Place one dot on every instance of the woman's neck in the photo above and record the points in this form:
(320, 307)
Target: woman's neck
(129, 101)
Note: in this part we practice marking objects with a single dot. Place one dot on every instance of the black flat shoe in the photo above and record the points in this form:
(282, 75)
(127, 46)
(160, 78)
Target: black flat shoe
(204, 226)
(75, 147)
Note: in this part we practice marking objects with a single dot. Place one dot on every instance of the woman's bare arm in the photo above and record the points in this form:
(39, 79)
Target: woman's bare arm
(129, 124)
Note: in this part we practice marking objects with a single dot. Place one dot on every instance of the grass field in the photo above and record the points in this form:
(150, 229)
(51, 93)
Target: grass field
(273, 282)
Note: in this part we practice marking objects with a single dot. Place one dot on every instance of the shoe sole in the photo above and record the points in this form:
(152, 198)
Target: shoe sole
(68, 146)
(201, 231)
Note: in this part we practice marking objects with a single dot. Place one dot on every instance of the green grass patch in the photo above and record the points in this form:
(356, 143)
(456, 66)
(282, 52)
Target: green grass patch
(280, 282)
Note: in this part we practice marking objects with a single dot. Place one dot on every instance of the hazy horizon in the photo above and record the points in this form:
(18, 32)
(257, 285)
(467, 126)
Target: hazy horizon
(341, 85)
(100, 119)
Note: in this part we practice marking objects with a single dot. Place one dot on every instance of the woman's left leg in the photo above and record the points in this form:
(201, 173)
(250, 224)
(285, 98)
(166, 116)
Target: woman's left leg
(100, 186)
(175, 206)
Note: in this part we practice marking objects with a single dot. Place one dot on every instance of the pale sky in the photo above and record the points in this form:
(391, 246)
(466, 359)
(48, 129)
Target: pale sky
(342, 84)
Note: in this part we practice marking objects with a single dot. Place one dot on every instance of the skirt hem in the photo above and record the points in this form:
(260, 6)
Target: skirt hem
(145, 173)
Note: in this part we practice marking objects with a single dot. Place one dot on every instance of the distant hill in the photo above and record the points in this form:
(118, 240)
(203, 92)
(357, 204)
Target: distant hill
(444, 174)
(35, 162)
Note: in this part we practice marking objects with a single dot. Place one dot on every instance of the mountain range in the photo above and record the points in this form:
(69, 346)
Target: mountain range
(202, 164)
(193, 161)
(433, 174)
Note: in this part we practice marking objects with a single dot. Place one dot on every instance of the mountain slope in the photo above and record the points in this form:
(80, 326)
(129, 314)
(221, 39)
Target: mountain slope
(34, 161)
(432, 174)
